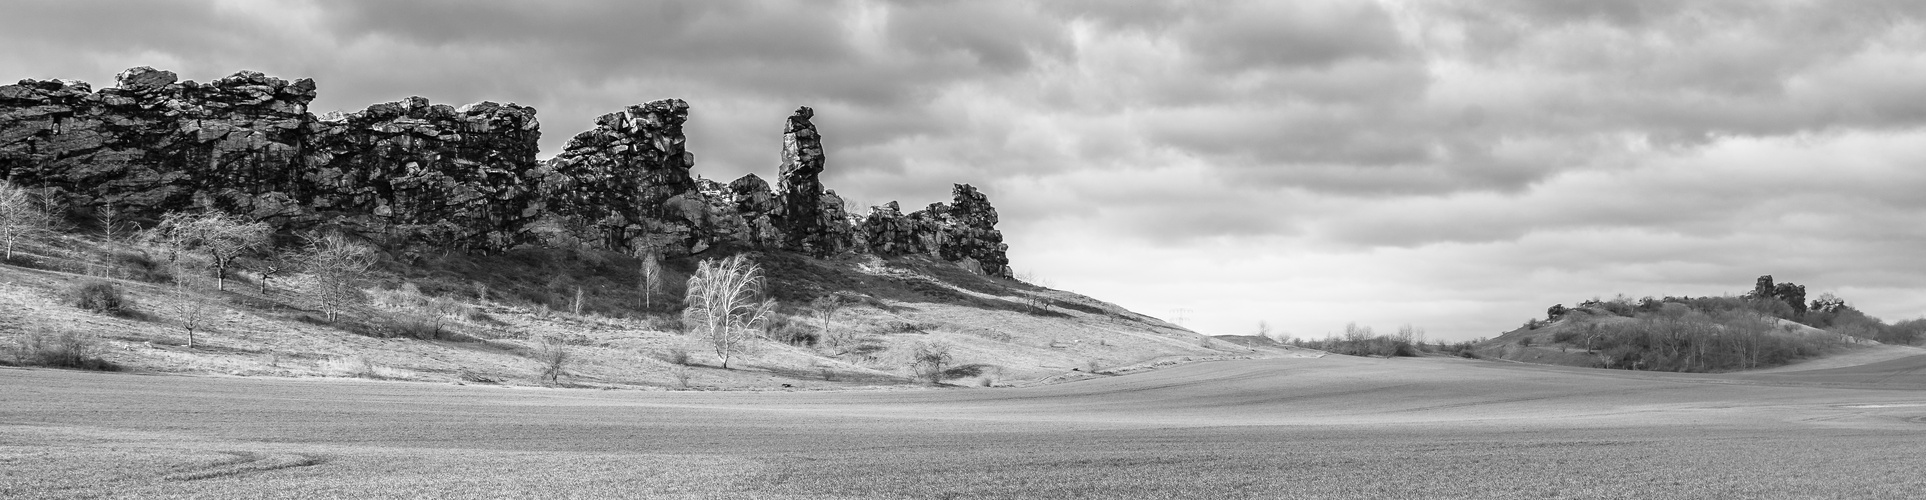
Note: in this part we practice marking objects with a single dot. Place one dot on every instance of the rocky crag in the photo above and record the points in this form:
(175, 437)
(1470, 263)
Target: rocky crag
(464, 177)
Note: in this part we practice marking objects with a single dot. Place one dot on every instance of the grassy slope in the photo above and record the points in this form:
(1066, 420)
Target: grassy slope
(485, 312)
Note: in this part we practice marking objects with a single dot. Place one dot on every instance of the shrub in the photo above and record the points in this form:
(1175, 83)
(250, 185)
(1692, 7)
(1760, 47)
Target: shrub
(677, 356)
(928, 361)
(1565, 336)
(138, 267)
(99, 296)
(41, 346)
(554, 355)
(786, 329)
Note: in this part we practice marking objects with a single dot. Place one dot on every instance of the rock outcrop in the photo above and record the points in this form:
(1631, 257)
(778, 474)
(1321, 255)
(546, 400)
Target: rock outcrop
(457, 177)
(153, 144)
(463, 178)
(807, 226)
(629, 178)
(963, 231)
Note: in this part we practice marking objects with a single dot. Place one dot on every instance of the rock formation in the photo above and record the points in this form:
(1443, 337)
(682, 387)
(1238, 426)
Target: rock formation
(464, 178)
(805, 223)
(629, 178)
(963, 231)
(153, 144)
(457, 177)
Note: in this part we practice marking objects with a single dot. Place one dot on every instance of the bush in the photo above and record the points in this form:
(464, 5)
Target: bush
(785, 329)
(139, 267)
(99, 296)
(677, 356)
(1565, 337)
(66, 349)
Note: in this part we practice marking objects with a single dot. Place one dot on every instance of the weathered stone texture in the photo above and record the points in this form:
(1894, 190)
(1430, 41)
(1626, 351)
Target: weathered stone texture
(464, 178)
(962, 231)
(457, 177)
(811, 217)
(153, 144)
(629, 178)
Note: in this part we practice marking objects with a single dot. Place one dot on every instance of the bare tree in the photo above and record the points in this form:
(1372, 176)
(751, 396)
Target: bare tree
(190, 311)
(21, 216)
(275, 265)
(338, 266)
(725, 305)
(651, 279)
(825, 308)
(554, 355)
(111, 222)
(221, 236)
(929, 358)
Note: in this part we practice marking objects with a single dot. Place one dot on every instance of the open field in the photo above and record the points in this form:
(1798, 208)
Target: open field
(1267, 428)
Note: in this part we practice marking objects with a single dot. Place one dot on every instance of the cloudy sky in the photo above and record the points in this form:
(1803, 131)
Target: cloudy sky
(1456, 165)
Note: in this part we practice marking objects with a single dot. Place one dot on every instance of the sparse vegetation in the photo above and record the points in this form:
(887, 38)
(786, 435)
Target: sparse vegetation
(220, 236)
(53, 347)
(1363, 341)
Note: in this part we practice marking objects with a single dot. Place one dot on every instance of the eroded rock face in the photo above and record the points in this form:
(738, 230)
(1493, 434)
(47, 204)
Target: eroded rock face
(153, 144)
(629, 178)
(808, 227)
(962, 231)
(463, 177)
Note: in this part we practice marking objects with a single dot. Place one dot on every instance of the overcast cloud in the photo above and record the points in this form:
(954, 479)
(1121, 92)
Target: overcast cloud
(1455, 165)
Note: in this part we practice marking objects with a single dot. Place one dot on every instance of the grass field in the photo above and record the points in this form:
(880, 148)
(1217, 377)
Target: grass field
(1267, 428)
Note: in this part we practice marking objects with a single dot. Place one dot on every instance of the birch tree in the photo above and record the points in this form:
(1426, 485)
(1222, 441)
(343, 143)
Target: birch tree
(725, 307)
(20, 216)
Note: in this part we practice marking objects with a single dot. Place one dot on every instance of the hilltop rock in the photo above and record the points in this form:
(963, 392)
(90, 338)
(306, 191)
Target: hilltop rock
(963, 231)
(806, 217)
(456, 178)
(463, 177)
(629, 178)
(153, 144)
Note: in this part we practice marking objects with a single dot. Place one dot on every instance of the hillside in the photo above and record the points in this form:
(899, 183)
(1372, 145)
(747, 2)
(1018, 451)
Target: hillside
(1769, 328)
(494, 319)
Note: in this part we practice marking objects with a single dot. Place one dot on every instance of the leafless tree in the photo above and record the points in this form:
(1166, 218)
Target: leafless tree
(725, 305)
(338, 266)
(929, 359)
(222, 237)
(21, 216)
(190, 311)
(651, 279)
(825, 308)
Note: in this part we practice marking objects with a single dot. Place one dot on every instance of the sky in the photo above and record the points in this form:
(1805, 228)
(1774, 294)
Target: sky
(1458, 166)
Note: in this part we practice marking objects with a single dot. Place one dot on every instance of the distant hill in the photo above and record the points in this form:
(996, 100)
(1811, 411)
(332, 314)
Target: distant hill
(1761, 329)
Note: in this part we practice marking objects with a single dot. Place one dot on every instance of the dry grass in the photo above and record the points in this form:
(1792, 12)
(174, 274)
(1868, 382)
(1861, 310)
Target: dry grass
(1333, 427)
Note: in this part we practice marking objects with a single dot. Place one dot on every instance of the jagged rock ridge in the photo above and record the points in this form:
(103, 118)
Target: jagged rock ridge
(456, 177)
